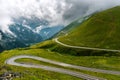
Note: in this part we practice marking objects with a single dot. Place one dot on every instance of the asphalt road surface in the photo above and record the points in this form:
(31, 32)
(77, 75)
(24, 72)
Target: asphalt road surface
(11, 61)
(87, 48)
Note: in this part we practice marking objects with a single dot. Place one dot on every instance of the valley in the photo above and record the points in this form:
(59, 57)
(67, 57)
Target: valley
(88, 50)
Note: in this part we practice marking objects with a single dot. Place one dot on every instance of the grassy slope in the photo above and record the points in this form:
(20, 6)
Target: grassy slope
(103, 62)
(71, 26)
(54, 51)
(38, 74)
(30, 73)
(101, 30)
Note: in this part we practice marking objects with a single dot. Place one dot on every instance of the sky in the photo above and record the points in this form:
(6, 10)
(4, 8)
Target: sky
(56, 12)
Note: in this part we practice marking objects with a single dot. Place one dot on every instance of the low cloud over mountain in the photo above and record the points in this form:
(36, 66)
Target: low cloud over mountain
(55, 11)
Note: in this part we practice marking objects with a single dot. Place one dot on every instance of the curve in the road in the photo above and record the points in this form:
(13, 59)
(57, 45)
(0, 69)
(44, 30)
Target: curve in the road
(86, 68)
(11, 61)
(87, 48)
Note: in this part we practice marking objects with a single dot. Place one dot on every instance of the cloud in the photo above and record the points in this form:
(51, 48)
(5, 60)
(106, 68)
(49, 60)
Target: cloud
(54, 11)
(85, 7)
(50, 10)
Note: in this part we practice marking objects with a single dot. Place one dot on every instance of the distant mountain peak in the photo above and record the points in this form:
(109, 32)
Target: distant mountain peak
(25, 32)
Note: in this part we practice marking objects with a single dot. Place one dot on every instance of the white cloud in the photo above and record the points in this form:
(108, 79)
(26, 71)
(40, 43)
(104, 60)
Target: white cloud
(54, 11)
(43, 9)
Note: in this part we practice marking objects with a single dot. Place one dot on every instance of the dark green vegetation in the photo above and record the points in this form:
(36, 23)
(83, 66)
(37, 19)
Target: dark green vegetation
(83, 57)
(101, 30)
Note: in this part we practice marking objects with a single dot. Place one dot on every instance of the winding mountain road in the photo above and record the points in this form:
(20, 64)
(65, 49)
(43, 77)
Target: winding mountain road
(11, 61)
(87, 48)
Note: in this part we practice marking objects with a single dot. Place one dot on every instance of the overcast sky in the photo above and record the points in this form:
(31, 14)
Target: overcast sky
(55, 11)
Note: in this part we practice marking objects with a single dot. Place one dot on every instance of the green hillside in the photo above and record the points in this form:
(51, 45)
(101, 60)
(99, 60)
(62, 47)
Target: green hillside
(101, 30)
(71, 26)
(48, 50)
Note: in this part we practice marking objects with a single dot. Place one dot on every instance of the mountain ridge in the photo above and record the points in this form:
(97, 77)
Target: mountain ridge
(25, 32)
(100, 30)
(50, 49)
